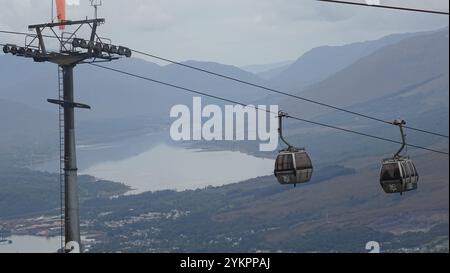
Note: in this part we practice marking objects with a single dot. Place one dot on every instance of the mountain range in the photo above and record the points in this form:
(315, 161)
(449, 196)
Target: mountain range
(399, 76)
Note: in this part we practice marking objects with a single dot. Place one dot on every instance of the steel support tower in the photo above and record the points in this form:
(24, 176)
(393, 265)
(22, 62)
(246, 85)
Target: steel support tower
(72, 51)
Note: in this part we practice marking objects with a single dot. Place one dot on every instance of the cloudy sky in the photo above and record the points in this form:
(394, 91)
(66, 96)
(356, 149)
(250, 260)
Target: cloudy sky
(237, 32)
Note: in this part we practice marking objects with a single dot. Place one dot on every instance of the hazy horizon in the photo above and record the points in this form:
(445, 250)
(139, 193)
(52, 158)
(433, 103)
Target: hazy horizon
(239, 33)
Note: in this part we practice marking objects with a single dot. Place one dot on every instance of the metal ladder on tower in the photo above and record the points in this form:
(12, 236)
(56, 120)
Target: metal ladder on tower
(61, 149)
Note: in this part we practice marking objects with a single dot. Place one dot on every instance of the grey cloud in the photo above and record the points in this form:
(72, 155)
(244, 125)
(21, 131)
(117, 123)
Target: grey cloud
(238, 32)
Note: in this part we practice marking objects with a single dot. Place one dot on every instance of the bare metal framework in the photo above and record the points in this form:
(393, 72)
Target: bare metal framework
(72, 51)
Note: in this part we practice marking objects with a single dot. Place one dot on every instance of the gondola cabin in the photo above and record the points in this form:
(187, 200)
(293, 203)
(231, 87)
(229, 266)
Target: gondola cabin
(293, 167)
(398, 175)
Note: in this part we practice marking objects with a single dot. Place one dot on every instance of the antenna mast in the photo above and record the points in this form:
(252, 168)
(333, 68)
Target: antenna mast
(96, 4)
(52, 11)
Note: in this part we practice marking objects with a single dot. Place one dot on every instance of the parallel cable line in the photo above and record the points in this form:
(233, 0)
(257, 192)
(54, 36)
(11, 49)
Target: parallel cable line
(257, 108)
(386, 7)
(284, 93)
(272, 90)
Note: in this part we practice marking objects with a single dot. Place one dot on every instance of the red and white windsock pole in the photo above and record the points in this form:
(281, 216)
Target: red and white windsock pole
(61, 9)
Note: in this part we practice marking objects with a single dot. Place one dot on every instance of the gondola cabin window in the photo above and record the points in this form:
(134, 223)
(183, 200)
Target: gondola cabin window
(303, 161)
(285, 163)
(391, 172)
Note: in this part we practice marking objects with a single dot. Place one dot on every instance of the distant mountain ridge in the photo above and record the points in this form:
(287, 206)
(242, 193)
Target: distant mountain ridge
(268, 71)
(114, 95)
(322, 62)
(407, 79)
(386, 71)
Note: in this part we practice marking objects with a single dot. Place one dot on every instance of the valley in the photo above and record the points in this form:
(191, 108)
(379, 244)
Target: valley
(342, 209)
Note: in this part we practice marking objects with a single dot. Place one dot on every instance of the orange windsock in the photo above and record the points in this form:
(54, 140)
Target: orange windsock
(61, 11)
